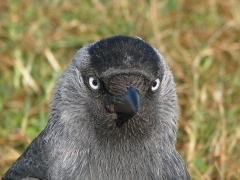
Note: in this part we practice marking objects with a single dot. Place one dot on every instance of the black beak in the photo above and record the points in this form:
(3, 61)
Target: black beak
(127, 104)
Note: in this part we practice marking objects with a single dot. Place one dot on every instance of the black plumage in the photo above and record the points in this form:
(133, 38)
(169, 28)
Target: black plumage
(113, 116)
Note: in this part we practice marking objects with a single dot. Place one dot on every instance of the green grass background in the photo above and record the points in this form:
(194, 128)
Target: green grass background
(199, 39)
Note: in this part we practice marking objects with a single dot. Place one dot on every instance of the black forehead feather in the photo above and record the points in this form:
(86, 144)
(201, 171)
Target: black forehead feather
(123, 52)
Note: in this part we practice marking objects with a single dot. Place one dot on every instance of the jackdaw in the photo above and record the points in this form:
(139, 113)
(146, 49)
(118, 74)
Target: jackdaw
(113, 115)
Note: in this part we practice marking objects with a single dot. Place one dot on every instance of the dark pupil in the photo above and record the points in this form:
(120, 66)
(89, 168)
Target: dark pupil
(154, 84)
(95, 82)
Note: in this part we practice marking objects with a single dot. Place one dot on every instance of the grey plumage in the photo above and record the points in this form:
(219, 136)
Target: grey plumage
(92, 135)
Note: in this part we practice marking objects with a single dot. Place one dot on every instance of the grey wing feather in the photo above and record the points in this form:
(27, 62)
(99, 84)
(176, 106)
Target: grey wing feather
(31, 164)
(175, 167)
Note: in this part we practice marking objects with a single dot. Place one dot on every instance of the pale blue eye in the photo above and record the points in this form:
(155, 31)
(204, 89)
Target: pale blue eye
(155, 85)
(94, 83)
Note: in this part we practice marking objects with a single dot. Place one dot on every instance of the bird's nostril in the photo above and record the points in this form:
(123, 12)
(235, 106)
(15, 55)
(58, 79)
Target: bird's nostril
(109, 106)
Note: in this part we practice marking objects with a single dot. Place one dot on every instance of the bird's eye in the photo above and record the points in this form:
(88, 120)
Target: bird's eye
(155, 85)
(94, 83)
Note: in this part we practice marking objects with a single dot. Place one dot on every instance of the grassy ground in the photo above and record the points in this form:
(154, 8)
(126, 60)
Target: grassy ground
(200, 40)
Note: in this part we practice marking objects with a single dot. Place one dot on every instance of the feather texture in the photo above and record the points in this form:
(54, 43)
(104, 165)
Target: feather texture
(86, 138)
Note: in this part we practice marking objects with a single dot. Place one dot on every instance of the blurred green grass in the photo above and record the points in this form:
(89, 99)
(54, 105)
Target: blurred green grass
(200, 40)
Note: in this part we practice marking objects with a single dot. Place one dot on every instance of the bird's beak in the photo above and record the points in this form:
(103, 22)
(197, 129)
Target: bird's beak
(127, 104)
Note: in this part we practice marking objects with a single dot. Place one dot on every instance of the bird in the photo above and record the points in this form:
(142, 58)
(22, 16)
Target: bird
(113, 115)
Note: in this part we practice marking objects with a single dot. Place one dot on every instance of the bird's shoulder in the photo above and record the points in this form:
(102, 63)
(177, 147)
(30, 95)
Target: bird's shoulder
(32, 163)
(174, 166)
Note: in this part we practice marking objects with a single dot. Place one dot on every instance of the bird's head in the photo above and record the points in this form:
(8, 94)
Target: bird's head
(122, 87)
